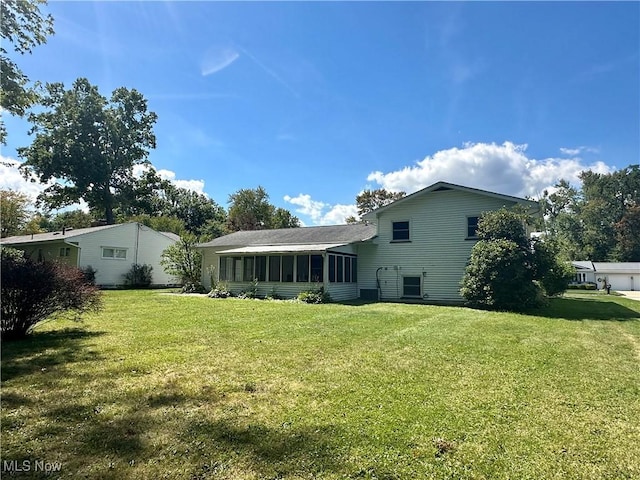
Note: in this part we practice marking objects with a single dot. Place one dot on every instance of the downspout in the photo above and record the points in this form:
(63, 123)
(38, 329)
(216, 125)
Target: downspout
(135, 251)
(378, 283)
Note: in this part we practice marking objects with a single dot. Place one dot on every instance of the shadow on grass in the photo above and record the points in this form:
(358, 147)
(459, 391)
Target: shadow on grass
(276, 452)
(45, 350)
(587, 309)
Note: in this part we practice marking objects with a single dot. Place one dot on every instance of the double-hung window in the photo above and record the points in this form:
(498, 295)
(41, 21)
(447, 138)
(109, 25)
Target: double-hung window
(411, 286)
(400, 231)
(472, 227)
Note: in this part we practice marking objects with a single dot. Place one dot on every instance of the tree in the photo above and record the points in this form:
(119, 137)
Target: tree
(183, 261)
(608, 199)
(23, 25)
(628, 236)
(507, 270)
(34, 291)
(370, 200)
(14, 212)
(250, 210)
(71, 219)
(90, 144)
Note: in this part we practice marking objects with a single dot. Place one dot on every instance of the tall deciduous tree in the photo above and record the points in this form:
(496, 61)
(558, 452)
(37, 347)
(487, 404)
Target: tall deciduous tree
(370, 200)
(90, 144)
(14, 212)
(250, 210)
(23, 26)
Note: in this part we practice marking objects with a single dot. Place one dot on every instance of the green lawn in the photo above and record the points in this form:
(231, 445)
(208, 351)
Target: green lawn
(186, 387)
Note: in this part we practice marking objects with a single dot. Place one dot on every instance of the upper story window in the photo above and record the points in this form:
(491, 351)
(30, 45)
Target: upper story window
(400, 231)
(472, 227)
(117, 253)
(65, 251)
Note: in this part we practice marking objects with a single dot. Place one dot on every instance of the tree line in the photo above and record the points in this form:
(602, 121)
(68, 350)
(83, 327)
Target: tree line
(600, 221)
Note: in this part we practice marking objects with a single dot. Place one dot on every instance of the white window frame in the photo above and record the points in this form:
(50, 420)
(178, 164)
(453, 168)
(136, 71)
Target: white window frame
(472, 237)
(393, 230)
(404, 295)
(64, 252)
(115, 255)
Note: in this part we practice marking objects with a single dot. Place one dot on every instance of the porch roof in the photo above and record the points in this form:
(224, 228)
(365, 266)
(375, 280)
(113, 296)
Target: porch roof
(290, 248)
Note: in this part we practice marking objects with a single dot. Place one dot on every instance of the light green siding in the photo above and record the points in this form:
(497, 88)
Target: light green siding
(438, 249)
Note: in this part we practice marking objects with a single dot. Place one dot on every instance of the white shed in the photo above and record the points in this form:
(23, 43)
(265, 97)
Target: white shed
(110, 249)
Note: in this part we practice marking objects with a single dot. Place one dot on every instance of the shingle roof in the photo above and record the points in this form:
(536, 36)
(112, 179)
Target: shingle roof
(49, 236)
(304, 235)
(617, 267)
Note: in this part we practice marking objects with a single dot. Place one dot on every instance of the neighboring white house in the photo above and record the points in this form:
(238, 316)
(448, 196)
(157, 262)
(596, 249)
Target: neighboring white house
(415, 248)
(621, 276)
(110, 249)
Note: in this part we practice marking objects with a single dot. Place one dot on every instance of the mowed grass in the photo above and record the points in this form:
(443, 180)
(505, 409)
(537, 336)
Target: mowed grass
(186, 387)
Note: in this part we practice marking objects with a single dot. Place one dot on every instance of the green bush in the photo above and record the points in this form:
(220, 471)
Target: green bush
(193, 287)
(220, 291)
(139, 276)
(317, 295)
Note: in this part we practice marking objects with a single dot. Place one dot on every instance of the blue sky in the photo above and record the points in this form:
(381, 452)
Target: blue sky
(318, 101)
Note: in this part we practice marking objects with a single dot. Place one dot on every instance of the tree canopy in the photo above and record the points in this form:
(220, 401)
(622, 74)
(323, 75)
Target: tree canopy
(598, 222)
(90, 144)
(250, 209)
(23, 26)
(14, 212)
(370, 200)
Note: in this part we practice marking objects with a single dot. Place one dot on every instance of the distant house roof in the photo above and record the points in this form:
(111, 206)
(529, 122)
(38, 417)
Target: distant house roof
(584, 265)
(620, 267)
(303, 238)
(440, 186)
(50, 236)
(608, 267)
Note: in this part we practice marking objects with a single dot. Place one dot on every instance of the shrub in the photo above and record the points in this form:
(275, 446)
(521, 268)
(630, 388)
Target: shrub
(221, 291)
(316, 295)
(89, 274)
(34, 291)
(193, 287)
(139, 276)
(183, 261)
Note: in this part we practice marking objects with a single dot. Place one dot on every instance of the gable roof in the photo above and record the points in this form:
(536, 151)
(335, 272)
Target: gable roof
(324, 235)
(440, 186)
(51, 236)
(617, 267)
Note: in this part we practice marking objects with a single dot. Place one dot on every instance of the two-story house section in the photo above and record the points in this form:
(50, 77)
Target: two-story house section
(415, 249)
(424, 242)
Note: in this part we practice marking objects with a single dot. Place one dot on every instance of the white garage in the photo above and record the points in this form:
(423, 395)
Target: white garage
(621, 276)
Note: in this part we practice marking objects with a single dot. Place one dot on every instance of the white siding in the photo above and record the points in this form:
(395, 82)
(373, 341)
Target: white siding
(143, 245)
(438, 251)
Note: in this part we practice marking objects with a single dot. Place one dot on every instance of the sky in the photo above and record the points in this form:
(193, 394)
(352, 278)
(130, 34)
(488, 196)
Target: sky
(318, 101)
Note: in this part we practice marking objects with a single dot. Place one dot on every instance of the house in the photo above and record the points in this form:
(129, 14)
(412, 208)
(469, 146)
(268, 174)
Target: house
(110, 249)
(621, 276)
(414, 249)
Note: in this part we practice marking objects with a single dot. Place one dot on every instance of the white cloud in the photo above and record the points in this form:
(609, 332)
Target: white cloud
(500, 168)
(216, 59)
(12, 179)
(193, 185)
(321, 213)
(572, 152)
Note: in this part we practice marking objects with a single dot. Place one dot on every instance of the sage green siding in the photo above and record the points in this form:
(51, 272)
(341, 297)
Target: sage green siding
(438, 249)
